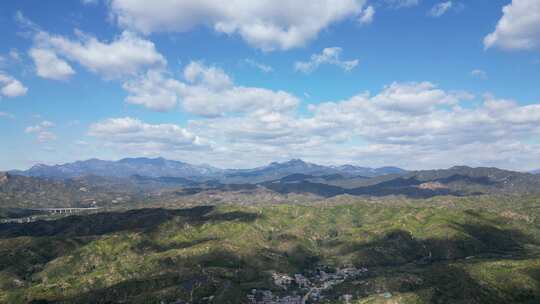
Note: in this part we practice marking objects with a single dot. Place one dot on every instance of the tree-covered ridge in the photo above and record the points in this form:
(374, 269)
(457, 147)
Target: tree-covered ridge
(439, 250)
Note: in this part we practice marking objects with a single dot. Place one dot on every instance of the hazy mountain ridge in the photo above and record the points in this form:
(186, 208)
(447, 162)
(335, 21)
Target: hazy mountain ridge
(160, 167)
(152, 167)
(23, 191)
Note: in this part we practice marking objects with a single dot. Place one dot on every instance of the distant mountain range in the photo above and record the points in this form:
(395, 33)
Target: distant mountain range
(151, 167)
(130, 181)
(160, 167)
(536, 171)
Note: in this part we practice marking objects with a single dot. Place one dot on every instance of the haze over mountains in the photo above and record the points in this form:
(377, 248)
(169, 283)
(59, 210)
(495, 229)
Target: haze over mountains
(133, 180)
(160, 167)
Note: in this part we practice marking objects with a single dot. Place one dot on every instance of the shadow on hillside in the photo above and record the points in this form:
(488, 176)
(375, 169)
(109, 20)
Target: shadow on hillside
(57, 238)
(219, 273)
(229, 277)
(399, 247)
(406, 264)
(435, 269)
(179, 286)
(456, 185)
(399, 186)
(110, 222)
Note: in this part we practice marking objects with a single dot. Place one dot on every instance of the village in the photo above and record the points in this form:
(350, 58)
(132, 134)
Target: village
(300, 289)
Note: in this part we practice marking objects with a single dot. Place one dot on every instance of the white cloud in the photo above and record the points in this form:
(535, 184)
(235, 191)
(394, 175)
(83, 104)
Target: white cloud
(367, 15)
(125, 55)
(42, 132)
(130, 134)
(402, 3)
(49, 66)
(328, 56)
(518, 28)
(211, 92)
(261, 66)
(438, 127)
(440, 9)
(415, 98)
(154, 91)
(90, 2)
(265, 24)
(205, 91)
(331, 125)
(211, 77)
(479, 73)
(11, 87)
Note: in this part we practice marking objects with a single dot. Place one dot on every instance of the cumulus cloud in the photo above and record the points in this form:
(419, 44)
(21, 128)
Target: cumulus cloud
(153, 90)
(42, 131)
(11, 87)
(207, 91)
(416, 97)
(208, 76)
(367, 15)
(49, 66)
(419, 124)
(331, 56)
(518, 28)
(130, 134)
(125, 55)
(337, 121)
(264, 24)
(211, 92)
(440, 9)
(412, 124)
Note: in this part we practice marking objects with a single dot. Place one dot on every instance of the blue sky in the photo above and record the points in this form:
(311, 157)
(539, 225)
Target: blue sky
(412, 83)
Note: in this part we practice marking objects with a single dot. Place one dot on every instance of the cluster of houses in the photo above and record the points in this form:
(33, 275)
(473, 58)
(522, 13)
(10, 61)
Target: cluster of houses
(267, 297)
(320, 280)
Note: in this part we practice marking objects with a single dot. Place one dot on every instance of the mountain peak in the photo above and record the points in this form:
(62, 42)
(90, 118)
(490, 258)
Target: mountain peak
(38, 166)
(295, 161)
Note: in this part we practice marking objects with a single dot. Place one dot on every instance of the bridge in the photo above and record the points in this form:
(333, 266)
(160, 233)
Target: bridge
(66, 210)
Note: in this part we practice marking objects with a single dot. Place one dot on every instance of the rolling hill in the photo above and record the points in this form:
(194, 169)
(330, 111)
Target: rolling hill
(18, 191)
(442, 250)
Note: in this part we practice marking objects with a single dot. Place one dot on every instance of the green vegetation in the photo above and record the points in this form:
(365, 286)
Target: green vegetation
(441, 250)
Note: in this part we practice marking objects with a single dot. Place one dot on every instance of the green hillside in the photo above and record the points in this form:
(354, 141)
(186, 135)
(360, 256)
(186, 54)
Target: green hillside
(441, 250)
